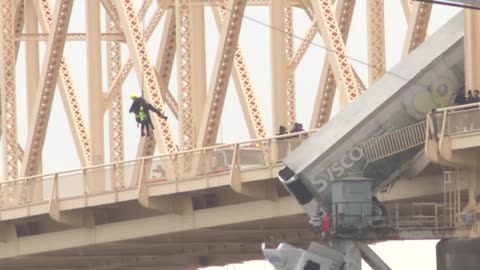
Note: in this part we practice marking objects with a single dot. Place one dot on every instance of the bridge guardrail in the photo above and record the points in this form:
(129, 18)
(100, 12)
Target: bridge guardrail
(214, 160)
(398, 216)
(454, 120)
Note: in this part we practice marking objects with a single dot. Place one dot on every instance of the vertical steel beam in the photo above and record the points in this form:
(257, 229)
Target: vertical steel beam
(8, 93)
(94, 80)
(244, 86)
(376, 39)
(68, 91)
(32, 66)
(95, 93)
(199, 84)
(417, 26)
(278, 64)
(46, 87)
(341, 68)
(32, 63)
(221, 73)
(289, 49)
(165, 57)
(115, 113)
(145, 72)
(407, 8)
(472, 49)
(184, 73)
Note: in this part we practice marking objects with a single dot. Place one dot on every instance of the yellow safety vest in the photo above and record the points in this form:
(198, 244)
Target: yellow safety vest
(141, 114)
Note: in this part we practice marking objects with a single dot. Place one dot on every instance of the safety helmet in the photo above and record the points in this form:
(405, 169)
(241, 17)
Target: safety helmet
(133, 95)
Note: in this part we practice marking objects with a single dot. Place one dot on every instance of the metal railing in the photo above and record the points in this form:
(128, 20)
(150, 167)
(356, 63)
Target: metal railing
(453, 120)
(398, 216)
(161, 169)
(394, 142)
(451, 195)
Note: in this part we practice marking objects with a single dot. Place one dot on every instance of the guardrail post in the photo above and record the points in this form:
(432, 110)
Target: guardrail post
(79, 218)
(442, 132)
(397, 217)
(235, 180)
(85, 186)
(142, 189)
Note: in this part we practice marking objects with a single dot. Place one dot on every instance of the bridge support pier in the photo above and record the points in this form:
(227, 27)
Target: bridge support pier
(355, 252)
(458, 254)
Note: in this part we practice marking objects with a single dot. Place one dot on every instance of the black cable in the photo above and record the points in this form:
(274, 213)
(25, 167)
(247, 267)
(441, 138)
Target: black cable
(323, 47)
(450, 4)
(327, 49)
(303, 39)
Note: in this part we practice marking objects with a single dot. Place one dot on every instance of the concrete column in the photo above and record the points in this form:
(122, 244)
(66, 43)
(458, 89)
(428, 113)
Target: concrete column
(353, 256)
(458, 254)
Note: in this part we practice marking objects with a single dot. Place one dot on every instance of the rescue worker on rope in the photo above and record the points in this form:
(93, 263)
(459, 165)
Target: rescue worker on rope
(141, 108)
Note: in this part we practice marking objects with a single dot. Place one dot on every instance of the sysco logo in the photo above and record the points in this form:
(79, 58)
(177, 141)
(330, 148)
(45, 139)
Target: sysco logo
(337, 169)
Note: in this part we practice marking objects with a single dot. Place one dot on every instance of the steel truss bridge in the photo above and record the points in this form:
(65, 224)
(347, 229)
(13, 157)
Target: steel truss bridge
(177, 210)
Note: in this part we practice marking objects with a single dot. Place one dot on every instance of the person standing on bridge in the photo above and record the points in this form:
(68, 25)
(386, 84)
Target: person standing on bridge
(295, 140)
(460, 98)
(476, 96)
(325, 227)
(282, 144)
(141, 108)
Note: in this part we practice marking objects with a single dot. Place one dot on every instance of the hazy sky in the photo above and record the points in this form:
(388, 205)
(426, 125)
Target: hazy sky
(254, 40)
(399, 255)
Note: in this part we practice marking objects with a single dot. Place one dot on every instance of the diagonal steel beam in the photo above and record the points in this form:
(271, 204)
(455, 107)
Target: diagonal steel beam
(417, 26)
(68, 91)
(128, 65)
(307, 40)
(19, 21)
(111, 9)
(244, 86)
(46, 87)
(163, 66)
(303, 47)
(8, 93)
(326, 89)
(341, 68)
(407, 8)
(221, 73)
(165, 57)
(145, 72)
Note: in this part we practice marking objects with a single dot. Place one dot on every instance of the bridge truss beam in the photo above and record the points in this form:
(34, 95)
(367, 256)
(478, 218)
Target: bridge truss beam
(46, 87)
(198, 112)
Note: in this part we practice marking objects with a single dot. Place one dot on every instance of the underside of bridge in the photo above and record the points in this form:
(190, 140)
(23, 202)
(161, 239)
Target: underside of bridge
(210, 227)
(182, 250)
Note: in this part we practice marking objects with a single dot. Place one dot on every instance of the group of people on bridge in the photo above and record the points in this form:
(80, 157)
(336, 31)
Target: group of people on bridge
(472, 96)
(286, 142)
